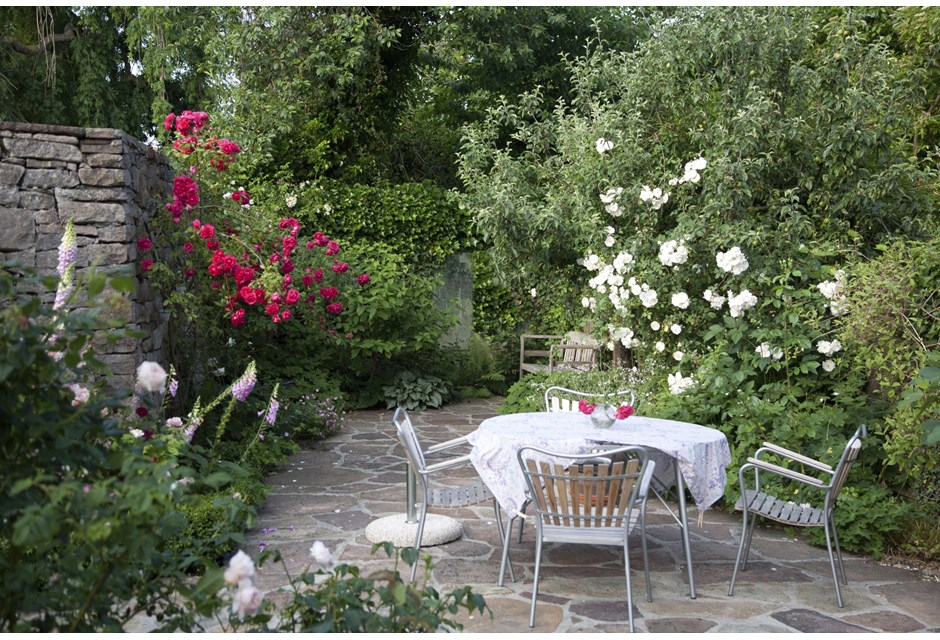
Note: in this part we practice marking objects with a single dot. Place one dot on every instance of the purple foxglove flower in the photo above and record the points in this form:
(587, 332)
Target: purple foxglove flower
(244, 385)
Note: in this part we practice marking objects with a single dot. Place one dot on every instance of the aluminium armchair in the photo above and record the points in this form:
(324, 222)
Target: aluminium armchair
(824, 478)
(464, 495)
(578, 500)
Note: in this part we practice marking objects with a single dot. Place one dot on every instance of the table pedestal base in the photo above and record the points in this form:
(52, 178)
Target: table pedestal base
(438, 529)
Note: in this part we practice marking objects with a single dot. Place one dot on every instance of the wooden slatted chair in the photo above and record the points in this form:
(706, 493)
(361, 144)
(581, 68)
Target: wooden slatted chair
(562, 399)
(579, 501)
(827, 480)
(461, 496)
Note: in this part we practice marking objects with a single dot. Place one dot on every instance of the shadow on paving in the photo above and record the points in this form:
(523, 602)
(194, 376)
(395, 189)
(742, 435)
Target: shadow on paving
(334, 490)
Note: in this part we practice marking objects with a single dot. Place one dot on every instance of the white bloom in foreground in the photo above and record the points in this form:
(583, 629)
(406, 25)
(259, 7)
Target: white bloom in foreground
(655, 325)
(137, 433)
(239, 568)
(833, 290)
(247, 601)
(655, 197)
(828, 348)
(613, 209)
(648, 298)
(678, 355)
(175, 422)
(533, 292)
(322, 556)
(716, 301)
(680, 300)
(660, 346)
(673, 252)
(623, 334)
(622, 261)
(777, 353)
(732, 261)
(610, 241)
(612, 195)
(828, 365)
(675, 328)
(763, 349)
(603, 145)
(81, 394)
(589, 303)
(592, 262)
(291, 201)
(692, 170)
(151, 377)
(738, 304)
(678, 384)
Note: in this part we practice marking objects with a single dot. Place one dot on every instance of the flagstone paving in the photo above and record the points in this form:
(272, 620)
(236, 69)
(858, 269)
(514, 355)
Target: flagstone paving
(333, 490)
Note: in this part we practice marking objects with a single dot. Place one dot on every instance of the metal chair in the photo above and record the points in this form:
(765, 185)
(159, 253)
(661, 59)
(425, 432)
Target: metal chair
(461, 496)
(580, 501)
(562, 399)
(829, 481)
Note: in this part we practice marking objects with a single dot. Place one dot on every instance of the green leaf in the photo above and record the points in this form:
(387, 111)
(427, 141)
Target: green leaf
(96, 284)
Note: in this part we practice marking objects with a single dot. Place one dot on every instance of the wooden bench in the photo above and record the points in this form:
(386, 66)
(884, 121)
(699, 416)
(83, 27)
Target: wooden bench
(574, 351)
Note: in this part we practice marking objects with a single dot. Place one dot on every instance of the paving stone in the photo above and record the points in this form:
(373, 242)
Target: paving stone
(604, 610)
(679, 625)
(808, 621)
(920, 599)
(888, 621)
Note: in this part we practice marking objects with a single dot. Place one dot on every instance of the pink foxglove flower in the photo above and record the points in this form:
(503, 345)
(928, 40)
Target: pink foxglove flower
(247, 601)
(68, 254)
(244, 385)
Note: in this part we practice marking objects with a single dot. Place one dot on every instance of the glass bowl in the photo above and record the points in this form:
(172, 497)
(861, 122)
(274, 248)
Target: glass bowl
(603, 416)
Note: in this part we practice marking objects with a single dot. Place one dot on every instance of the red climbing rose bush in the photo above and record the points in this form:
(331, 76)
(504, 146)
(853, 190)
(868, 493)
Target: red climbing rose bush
(214, 249)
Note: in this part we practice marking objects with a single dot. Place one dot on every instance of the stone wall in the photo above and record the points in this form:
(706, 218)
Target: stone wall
(108, 183)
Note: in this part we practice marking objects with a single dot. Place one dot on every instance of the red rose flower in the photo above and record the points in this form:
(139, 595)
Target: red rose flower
(141, 411)
(307, 280)
(168, 121)
(238, 318)
(190, 273)
(248, 295)
(329, 293)
(146, 264)
(624, 412)
(336, 308)
(212, 245)
(585, 408)
(318, 275)
(340, 267)
(272, 309)
(332, 248)
(364, 279)
(285, 315)
(144, 244)
(292, 297)
(188, 247)
(207, 231)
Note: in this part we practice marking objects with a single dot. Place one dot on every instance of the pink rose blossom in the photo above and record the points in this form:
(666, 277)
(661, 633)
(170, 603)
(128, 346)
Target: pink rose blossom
(365, 278)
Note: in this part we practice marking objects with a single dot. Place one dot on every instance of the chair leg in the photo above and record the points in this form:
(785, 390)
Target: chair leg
(626, 563)
(745, 545)
(835, 539)
(832, 563)
(414, 567)
(646, 559)
(535, 583)
(522, 521)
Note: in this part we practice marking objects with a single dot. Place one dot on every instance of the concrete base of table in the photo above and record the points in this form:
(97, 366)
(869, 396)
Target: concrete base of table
(437, 530)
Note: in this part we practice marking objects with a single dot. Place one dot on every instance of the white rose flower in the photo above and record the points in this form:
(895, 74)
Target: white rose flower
(763, 349)
(648, 298)
(603, 145)
(247, 601)
(613, 209)
(738, 304)
(654, 325)
(660, 346)
(678, 356)
(828, 365)
(137, 433)
(610, 241)
(322, 556)
(592, 262)
(533, 292)
(291, 201)
(151, 377)
(175, 422)
(678, 384)
(732, 261)
(675, 328)
(239, 568)
(828, 348)
(672, 253)
(777, 353)
(622, 261)
(611, 195)
(680, 300)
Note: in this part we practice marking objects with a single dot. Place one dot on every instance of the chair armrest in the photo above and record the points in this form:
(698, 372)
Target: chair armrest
(783, 471)
(793, 455)
(447, 445)
(447, 464)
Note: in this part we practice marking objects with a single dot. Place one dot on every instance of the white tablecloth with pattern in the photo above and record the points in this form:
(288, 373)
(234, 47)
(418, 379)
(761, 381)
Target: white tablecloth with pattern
(701, 452)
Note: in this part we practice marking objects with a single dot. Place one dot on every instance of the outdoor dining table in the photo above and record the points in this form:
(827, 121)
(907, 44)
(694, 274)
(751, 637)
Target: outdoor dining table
(684, 453)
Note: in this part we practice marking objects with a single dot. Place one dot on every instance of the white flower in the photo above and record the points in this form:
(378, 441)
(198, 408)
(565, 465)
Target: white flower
(622, 261)
(777, 353)
(322, 556)
(832, 290)
(678, 384)
(698, 164)
(610, 241)
(655, 197)
(623, 334)
(239, 568)
(81, 394)
(291, 201)
(828, 348)
(533, 292)
(151, 377)
(828, 365)
(175, 422)
(612, 195)
(137, 433)
(680, 300)
(692, 170)
(589, 303)
(654, 325)
(763, 349)
(603, 145)
(732, 261)
(676, 329)
(611, 230)
(738, 304)
(678, 356)
(648, 297)
(673, 252)
(592, 262)
(660, 346)
(613, 209)
(247, 601)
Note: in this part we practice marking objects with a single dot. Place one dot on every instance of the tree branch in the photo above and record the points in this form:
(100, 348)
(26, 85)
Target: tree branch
(70, 33)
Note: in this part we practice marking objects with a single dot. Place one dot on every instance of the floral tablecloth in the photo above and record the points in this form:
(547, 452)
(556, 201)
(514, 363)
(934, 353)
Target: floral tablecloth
(702, 453)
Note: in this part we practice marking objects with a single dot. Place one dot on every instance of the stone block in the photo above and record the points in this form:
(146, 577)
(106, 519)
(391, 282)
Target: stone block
(117, 233)
(102, 177)
(108, 254)
(93, 212)
(36, 200)
(9, 196)
(10, 173)
(120, 364)
(26, 258)
(46, 216)
(105, 342)
(17, 230)
(111, 160)
(33, 147)
(93, 194)
(113, 146)
(49, 178)
(50, 164)
(52, 137)
(47, 261)
(101, 133)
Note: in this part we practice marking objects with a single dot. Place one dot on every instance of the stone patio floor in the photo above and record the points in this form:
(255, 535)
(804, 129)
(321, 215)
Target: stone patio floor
(332, 491)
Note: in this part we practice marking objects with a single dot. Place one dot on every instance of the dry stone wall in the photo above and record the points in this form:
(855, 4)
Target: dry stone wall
(109, 184)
